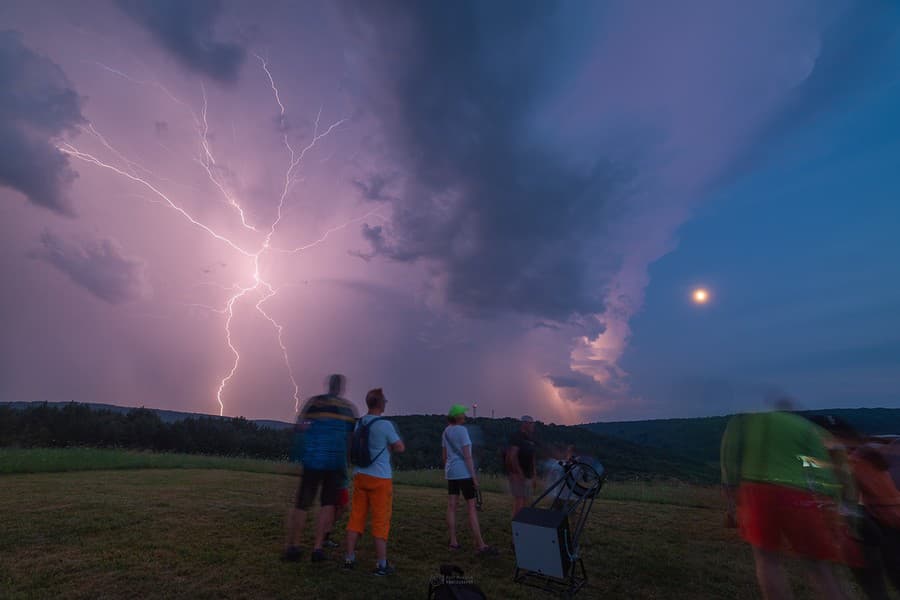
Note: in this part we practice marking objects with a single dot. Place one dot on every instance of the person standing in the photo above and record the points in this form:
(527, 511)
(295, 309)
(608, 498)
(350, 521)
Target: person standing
(326, 421)
(520, 464)
(459, 470)
(372, 482)
(777, 471)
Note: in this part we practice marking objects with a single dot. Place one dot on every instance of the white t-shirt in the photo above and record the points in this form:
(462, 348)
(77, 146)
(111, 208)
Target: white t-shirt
(381, 435)
(454, 439)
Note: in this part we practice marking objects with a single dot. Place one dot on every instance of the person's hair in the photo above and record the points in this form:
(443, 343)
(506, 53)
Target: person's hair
(453, 420)
(375, 398)
(336, 384)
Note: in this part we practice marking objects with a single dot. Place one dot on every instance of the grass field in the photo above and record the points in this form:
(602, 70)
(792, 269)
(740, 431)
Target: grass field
(199, 527)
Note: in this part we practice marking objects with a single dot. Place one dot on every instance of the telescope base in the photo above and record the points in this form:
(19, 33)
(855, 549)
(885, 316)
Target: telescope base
(564, 588)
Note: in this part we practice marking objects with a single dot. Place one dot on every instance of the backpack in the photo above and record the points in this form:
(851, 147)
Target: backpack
(359, 444)
(451, 585)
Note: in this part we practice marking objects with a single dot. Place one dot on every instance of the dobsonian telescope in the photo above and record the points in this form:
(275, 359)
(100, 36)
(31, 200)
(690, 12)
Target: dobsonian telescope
(547, 540)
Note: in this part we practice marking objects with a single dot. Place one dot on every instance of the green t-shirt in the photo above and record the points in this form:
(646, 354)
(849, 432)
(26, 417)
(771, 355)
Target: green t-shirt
(779, 448)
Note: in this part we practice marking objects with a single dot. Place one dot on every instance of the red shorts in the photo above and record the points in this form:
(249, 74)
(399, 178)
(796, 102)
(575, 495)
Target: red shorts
(343, 497)
(784, 519)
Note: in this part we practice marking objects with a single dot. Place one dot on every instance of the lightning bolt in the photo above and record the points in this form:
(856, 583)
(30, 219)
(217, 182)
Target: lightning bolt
(260, 286)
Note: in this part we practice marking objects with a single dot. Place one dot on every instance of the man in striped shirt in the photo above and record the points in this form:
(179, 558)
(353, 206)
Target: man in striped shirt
(327, 423)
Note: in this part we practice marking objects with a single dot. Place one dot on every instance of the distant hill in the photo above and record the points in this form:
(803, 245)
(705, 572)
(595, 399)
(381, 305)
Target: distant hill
(698, 439)
(166, 416)
(63, 424)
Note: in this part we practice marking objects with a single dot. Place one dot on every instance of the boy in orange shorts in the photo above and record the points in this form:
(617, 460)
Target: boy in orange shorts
(372, 482)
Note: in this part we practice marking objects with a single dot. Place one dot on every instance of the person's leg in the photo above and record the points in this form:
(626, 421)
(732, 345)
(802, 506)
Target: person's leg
(474, 525)
(297, 516)
(359, 506)
(323, 525)
(339, 511)
(890, 555)
(772, 581)
(330, 490)
(822, 579)
(512, 480)
(295, 521)
(382, 507)
(451, 518)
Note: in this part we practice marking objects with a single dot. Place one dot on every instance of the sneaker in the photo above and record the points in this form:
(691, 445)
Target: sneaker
(349, 564)
(487, 551)
(317, 555)
(291, 554)
(453, 547)
(384, 571)
(330, 544)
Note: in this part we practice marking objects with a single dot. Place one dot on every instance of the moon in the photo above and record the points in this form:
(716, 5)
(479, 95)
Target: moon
(700, 296)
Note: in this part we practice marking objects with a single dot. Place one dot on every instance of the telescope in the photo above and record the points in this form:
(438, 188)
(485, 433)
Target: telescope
(547, 540)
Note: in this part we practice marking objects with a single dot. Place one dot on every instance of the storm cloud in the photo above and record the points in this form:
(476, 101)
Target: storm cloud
(187, 31)
(99, 266)
(510, 222)
(37, 105)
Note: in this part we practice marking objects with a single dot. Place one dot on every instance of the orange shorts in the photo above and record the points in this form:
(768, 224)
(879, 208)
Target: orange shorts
(784, 519)
(375, 495)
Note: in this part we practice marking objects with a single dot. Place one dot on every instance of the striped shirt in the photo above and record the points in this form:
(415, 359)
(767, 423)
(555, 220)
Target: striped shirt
(328, 421)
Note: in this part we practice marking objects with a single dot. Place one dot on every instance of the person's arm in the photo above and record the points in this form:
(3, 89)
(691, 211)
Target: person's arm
(393, 441)
(513, 462)
(444, 448)
(470, 464)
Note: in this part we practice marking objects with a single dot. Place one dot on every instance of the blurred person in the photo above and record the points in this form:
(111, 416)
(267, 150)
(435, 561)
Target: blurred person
(326, 422)
(777, 473)
(879, 499)
(343, 500)
(459, 470)
(520, 464)
(372, 483)
(876, 515)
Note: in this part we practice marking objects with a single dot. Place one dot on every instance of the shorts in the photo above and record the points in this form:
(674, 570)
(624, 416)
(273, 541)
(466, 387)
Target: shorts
(371, 495)
(466, 487)
(311, 480)
(778, 518)
(521, 488)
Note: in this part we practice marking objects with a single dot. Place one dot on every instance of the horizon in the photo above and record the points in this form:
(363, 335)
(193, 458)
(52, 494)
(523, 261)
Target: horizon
(799, 409)
(520, 204)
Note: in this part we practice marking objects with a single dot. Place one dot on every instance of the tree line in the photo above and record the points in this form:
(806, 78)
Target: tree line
(43, 425)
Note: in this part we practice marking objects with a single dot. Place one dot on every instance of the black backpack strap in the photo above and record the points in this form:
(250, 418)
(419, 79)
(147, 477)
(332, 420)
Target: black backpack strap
(369, 426)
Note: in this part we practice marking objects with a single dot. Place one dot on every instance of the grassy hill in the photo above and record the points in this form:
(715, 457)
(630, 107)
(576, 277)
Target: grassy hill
(211, 533)
(698, 439)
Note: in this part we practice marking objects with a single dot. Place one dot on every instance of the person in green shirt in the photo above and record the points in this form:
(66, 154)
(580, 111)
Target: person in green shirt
(783, 492)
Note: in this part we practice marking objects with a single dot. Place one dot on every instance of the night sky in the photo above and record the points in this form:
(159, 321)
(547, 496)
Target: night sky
(508, 203)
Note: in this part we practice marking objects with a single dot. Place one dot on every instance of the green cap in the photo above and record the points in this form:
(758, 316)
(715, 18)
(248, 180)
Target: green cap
(456, 410)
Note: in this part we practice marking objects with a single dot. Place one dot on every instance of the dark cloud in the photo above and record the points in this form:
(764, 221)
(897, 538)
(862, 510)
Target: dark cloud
(186, 29)
(508, 221)
(37, 104)
(97, 265)
(375, 188)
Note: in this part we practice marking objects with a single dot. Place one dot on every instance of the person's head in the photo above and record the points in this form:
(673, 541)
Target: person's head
(840, 429)
(527, 424)
(457, 414)
(375, 401)
(336, 384)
